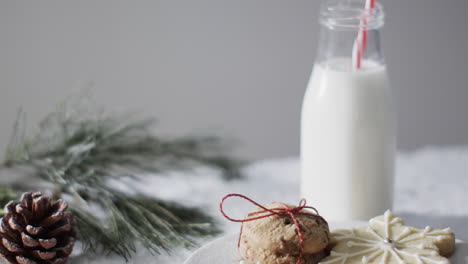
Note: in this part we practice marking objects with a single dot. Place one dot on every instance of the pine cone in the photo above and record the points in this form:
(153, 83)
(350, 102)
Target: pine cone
(36, 231)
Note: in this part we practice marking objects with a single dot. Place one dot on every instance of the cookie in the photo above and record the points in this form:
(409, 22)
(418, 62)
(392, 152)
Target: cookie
(386, 241)
(274, 239)
(262, 257)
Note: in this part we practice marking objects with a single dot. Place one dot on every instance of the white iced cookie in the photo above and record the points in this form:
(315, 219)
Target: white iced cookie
(387, 241)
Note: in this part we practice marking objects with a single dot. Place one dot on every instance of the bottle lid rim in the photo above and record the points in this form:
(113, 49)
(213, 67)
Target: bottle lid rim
(351, 15)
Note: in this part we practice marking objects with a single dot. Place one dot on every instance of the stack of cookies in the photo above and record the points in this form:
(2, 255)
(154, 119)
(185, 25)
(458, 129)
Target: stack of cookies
(275, 240)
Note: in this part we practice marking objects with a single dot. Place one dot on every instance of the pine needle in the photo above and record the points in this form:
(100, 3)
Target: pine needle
(7, 193)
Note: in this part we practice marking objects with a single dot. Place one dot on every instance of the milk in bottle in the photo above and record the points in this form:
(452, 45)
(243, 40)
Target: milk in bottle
(347, 124)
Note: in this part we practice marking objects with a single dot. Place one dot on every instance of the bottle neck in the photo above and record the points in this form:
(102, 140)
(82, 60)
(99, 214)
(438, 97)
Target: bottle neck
(335, 44)
(341, 23)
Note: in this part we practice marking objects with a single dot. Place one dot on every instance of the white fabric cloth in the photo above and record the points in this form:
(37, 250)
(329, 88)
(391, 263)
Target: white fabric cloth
(431, 189)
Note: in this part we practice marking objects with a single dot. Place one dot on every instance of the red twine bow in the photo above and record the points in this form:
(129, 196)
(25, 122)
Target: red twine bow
(283, 210)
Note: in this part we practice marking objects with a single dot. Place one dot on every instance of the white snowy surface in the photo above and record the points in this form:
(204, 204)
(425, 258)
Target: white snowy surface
(431, 189)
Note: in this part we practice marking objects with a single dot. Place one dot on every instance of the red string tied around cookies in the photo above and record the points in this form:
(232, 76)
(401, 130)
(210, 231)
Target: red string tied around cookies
(266, 212)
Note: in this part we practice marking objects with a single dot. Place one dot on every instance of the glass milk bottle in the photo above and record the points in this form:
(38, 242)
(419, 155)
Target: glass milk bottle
(348, 119)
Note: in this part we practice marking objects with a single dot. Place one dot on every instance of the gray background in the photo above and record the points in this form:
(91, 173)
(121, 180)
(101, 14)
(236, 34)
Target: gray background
(235, 68)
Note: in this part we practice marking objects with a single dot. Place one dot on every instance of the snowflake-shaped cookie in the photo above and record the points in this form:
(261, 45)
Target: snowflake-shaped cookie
(387, 241)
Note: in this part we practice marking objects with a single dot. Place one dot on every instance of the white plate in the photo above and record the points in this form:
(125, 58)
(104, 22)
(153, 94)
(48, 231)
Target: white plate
(224, 250)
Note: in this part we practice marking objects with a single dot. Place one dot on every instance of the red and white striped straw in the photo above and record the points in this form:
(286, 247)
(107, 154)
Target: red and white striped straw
(361, 40)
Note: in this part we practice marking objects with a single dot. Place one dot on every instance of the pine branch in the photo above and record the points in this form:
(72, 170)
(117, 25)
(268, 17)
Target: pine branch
(95, 147)
(158, 225)
(79, 154)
